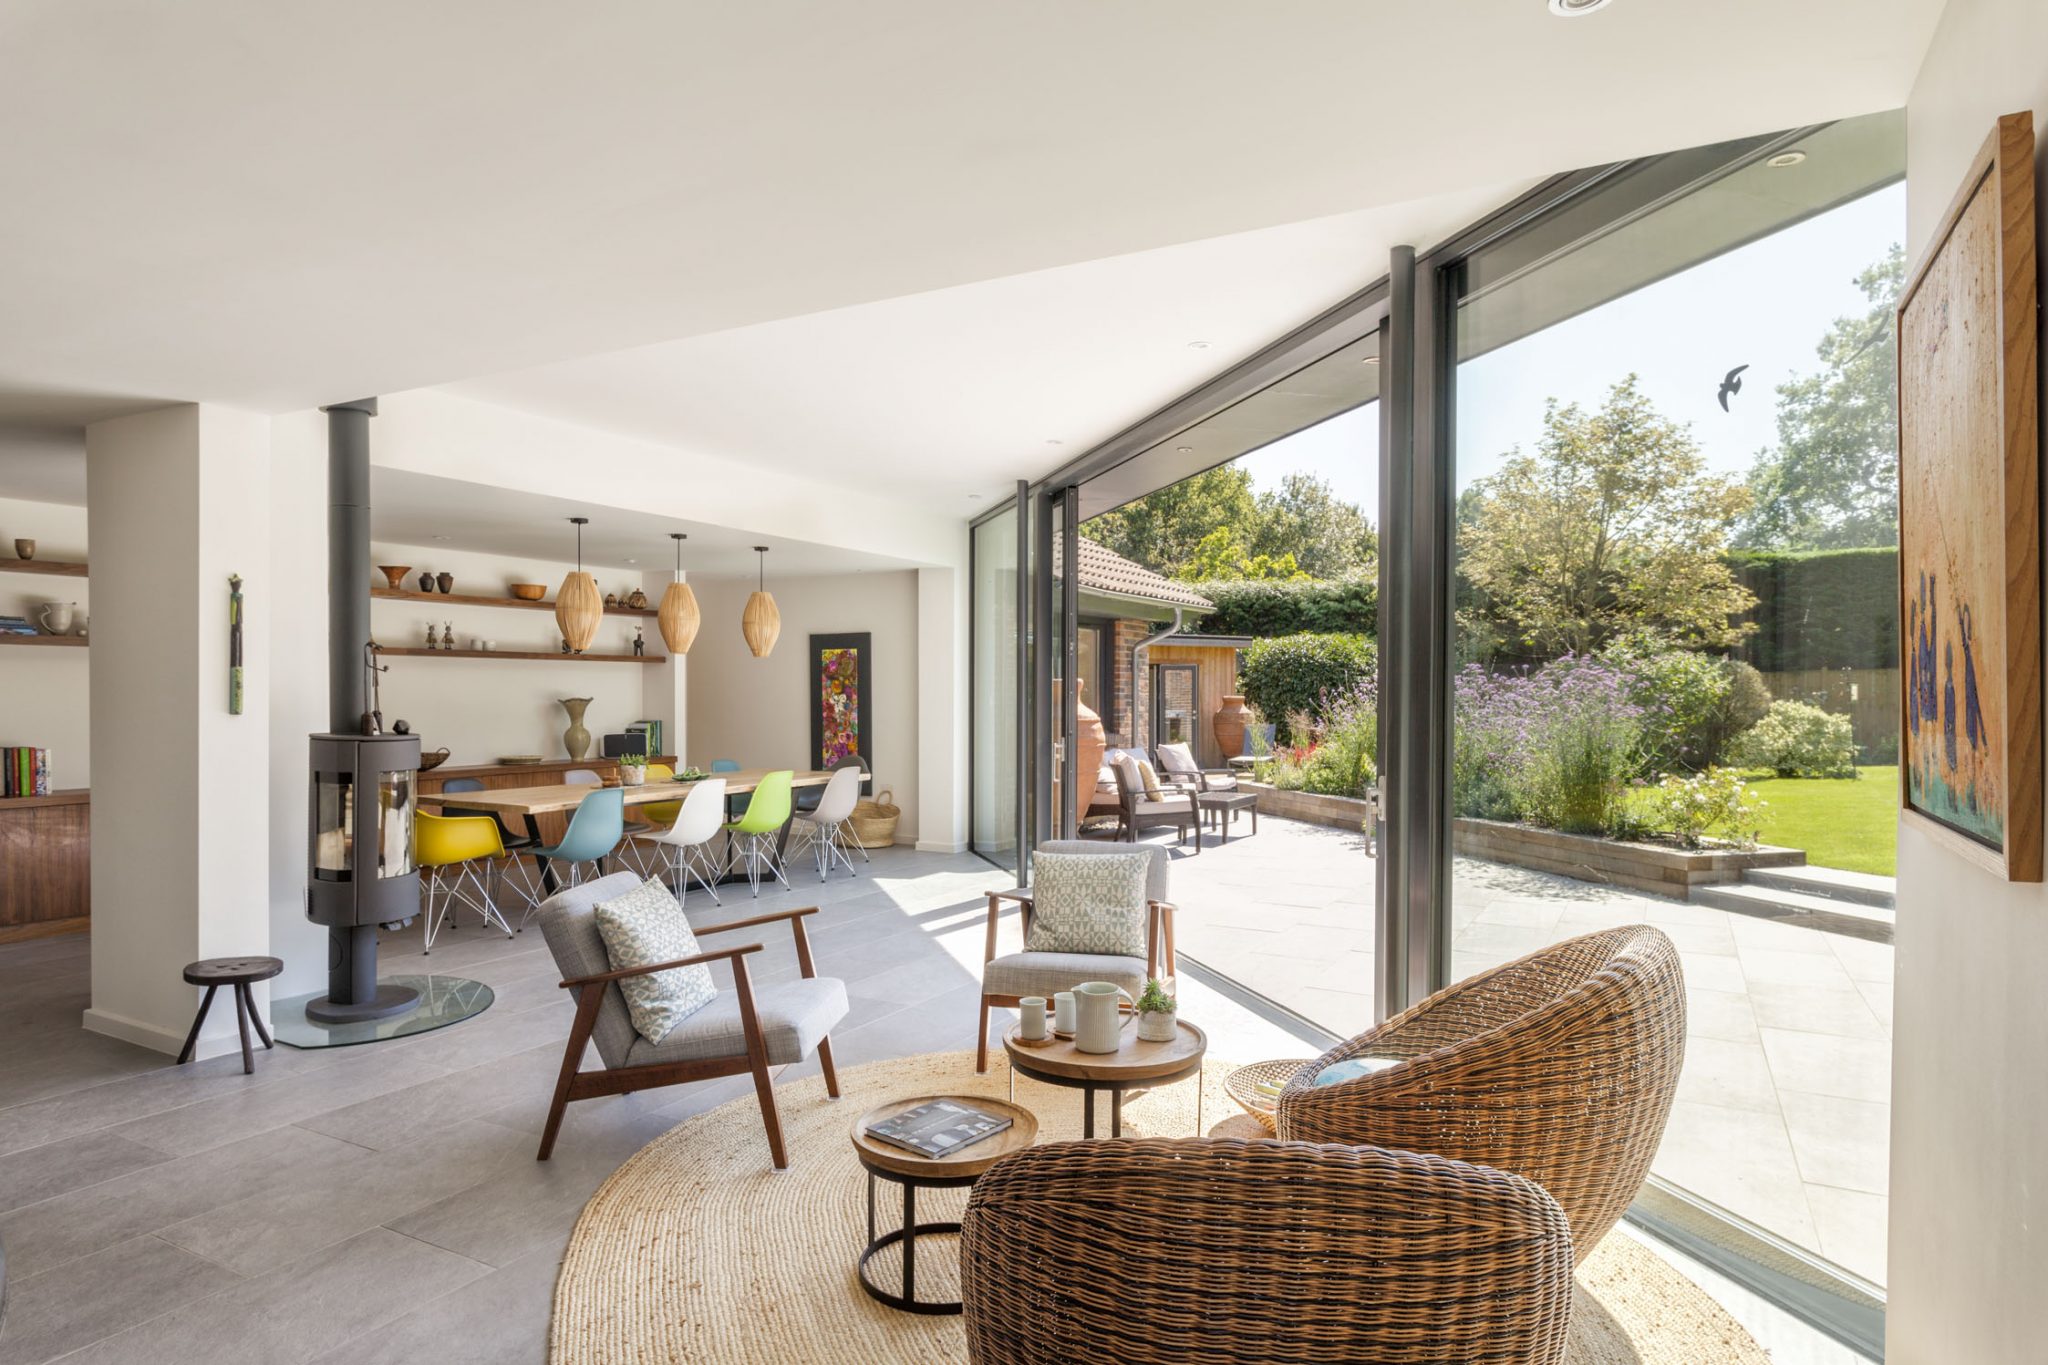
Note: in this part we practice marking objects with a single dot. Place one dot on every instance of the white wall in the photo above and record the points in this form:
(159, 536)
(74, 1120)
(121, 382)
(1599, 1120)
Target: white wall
(484, 708)
(297, 663)
(46, 689)
(1969, 1193)
(758, 711)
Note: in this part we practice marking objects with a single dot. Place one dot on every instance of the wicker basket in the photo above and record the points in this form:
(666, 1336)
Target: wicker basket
(1242, 1085)
(874, 822)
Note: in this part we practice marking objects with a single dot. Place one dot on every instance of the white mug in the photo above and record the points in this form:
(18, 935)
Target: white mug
(1063, 1013)
(1031, 1018)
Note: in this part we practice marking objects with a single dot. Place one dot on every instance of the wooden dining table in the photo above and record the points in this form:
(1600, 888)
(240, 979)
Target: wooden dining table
(560, 798)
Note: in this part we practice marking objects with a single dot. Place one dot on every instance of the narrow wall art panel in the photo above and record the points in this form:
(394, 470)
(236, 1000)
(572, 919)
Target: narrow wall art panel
(1969, 520)
(841, 703)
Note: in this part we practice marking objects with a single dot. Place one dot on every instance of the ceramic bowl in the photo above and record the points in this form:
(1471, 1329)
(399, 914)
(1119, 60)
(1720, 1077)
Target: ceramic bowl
(529, 592)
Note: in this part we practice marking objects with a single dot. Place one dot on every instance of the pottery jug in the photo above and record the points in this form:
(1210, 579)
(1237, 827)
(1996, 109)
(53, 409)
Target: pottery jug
(1098, 1026)
(576, 739)
(56, 617)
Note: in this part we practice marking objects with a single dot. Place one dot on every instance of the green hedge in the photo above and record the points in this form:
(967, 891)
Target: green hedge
(1295, 673)
(1821, 608)
(1263, 608)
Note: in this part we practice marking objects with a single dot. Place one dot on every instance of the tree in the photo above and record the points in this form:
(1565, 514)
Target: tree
(1222, 554)
(1163, 530)
(1303, 518)
(1832, 482)
(1613, 526)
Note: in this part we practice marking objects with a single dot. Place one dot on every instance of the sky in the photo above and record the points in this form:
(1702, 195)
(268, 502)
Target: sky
(1765, 305)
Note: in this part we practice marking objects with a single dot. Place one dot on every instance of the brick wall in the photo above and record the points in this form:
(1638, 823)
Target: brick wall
(1126, 691)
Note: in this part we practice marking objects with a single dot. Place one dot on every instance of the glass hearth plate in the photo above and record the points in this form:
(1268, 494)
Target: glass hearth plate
(444, 1000)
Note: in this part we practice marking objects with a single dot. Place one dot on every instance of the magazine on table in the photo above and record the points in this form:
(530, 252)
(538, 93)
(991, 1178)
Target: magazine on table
(938, 1128)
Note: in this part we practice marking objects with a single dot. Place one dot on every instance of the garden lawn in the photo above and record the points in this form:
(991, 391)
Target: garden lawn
(1841, 823)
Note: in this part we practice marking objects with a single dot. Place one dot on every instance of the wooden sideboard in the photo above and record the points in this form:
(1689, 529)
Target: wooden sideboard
(45, 865)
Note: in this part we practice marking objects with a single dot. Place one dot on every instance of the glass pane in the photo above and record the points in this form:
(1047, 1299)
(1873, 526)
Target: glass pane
(1058, 822)
(996, 719)
(394, 799)
(1089, 651)
(1677, 635)
(1279, 539)
(333, 826)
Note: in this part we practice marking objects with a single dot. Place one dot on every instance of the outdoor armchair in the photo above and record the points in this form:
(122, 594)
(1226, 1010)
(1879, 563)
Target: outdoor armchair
(1177, 765)
(744, 1029)
(1008, 979)
(1208, 1251)
(1173, 809)
(1560, 1066)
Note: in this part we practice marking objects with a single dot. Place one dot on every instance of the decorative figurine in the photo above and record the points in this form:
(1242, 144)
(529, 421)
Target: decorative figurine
(448, 635)
(639, 641)
(433, 637)
(565, 644)
(234, 644)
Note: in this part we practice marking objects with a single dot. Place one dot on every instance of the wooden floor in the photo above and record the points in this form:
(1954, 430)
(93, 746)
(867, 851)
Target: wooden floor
(381, 1204)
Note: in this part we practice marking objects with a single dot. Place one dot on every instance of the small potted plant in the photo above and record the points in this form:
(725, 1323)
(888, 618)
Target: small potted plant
(632, 770)
(1158, 1016)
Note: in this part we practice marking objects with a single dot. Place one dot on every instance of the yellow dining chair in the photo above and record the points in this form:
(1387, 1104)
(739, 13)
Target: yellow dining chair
(449, 849)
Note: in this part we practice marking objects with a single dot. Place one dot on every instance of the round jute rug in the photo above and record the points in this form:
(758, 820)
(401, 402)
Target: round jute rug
(695, 1250)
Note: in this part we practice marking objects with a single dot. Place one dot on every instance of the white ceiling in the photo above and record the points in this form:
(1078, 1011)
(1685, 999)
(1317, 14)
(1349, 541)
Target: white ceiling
(274, 206)
(409, 508)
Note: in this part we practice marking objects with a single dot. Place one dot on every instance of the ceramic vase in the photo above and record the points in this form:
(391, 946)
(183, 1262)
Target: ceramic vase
(1158, 1026)
(1231, 719)
(56, 617)
(1090, 743)
(447, 582)
(576, 739)
(426, 582)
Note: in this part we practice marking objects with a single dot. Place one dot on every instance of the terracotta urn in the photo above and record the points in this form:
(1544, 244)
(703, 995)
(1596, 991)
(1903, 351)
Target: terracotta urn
(1089, 745)
(1231, 719)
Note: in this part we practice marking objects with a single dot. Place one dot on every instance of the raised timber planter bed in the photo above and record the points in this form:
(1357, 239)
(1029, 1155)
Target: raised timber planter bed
(1656, 868)
(1338, 812)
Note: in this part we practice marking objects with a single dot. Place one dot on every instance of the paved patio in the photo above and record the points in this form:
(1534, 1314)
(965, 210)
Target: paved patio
(1784, 1109)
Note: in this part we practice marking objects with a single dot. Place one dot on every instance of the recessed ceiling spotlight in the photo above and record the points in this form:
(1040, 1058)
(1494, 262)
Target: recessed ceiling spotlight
(1784, 159)
(1185, 450)
(632, 561)
(1053, 441)
(1198, 345)
(1370, 360)
(440, 537)
(1572, 9)
(974, 497)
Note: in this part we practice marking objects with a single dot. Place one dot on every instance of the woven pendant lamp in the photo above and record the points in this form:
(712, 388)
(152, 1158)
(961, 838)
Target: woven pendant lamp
(761, 622)
(578, 606)
(679, 617)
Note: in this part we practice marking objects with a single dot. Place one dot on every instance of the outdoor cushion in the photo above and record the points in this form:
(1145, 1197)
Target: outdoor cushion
(1089, 903)
(569, 923)
(1022, 974)
(1178, 758)
(794, 1015)
(1150, 780)
(640, 928)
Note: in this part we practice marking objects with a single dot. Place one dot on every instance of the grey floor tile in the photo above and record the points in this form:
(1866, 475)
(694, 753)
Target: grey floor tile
(39, 1173)
(405, 1116)
(500, 1319)
(96, 1296)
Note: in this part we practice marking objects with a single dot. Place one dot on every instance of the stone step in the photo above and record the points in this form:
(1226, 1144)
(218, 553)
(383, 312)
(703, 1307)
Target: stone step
(1797, 908)
(1861, 887)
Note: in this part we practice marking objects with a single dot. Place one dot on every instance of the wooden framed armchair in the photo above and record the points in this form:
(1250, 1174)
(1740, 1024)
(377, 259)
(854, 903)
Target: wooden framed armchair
(1207, 1251)
(1008, 979)
(1172, 809)
(744, 1029)
(1560, 1066)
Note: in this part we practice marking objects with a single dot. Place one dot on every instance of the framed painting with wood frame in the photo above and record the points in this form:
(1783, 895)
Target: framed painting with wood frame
(842, 704)
(1970, 521)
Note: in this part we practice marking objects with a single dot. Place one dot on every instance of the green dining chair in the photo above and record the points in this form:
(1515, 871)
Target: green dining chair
(595, 828)
(756, 836)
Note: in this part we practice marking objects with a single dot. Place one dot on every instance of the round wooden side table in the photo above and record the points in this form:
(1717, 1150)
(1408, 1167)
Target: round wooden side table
(913, 1172)
(1133, 1065)
(241, 973)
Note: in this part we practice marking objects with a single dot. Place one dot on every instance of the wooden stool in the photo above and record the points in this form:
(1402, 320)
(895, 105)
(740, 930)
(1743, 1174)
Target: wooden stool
(238, 972)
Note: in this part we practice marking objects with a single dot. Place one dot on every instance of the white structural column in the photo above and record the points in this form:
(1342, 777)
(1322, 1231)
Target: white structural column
(664, 687)
(942, 710)
(180, 848)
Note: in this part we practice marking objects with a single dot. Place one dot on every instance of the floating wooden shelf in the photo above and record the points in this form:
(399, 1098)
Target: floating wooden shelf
(461, 599)
(53, 566)
(61, 641)
(558, 657)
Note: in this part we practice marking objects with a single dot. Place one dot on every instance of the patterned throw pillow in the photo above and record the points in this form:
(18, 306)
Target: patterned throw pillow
(1089, 903)
(645, 926)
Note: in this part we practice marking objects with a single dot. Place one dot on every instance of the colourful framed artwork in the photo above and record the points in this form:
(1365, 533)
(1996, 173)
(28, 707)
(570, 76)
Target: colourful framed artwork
(1969, 521)
(841, 701)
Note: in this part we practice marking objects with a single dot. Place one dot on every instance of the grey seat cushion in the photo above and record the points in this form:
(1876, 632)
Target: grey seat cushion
(568, 920)
(794, 1015)
(1022, 974)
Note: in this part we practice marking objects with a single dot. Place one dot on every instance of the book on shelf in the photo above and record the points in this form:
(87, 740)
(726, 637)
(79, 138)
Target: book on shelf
(652, 729)
(937, 1128)
(24, 771)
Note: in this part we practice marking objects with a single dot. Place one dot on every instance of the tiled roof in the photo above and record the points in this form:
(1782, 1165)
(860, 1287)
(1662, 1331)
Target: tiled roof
(1105, 571)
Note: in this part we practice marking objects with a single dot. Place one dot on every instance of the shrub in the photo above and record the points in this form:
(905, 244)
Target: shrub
(1556, 746)
(1680, 693)
(1303, 674)
(1747, 701)
(1797, 740)
(1716, 801)
(1345, 761)
(1272, 607)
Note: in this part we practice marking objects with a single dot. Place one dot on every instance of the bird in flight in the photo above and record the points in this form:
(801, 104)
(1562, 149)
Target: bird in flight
(1730, 383)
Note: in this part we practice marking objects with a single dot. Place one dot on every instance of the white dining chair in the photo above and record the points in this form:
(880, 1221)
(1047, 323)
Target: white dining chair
(826, 827)
(683, 850)
(582, 777)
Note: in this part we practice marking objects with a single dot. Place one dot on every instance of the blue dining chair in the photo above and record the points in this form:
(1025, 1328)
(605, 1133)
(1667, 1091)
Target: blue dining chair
(725, 765)
(596, 827)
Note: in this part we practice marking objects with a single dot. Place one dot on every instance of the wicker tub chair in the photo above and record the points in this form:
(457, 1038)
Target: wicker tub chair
(1560, 1066)
(1194, 1250)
